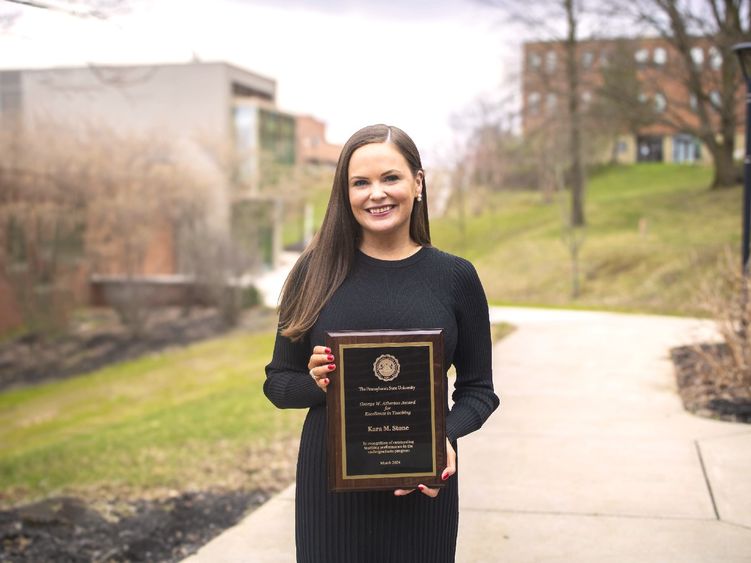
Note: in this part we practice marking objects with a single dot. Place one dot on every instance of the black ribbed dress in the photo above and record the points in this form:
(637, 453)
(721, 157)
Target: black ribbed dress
(430, 289)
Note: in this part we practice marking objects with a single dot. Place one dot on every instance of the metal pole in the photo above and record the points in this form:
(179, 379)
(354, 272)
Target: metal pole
(746, 220)
(747, 184)
(743, 50)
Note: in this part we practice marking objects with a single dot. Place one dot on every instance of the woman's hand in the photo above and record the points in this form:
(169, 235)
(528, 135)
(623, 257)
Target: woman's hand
(448, 472)
(320, 365)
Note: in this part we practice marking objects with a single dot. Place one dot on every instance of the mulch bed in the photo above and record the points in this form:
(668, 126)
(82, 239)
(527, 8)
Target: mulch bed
(65, 529)
(705, 395)
(100, 340)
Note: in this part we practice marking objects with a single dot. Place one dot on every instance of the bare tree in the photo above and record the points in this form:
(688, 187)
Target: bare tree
(129, 190)
(724, 297)
(42, 217)
(711, 84)
(480, 134)
(541, 18)
(105, 11)
(574, 115)
(619, 105)
(558, 138)
(99, 9)
(88, 201)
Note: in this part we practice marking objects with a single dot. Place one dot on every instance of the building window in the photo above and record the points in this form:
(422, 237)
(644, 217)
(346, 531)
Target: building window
(551, 102)
(686, 148)
(604, 58)
(660, 102)
(586, 98)
(660, 56)
(692, 102)
(535, 61)
(641, 56)
(245, 128)
(715, 58)
(533, 103)
(715, 99)
(697, 55)
(550, 61)
(642, 97)
(588, 58)
(648, 148)
(276, 141)
(246, 141)
(311, 142)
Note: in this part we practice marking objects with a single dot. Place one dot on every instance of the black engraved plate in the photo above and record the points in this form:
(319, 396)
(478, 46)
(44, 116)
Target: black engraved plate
(385, 406)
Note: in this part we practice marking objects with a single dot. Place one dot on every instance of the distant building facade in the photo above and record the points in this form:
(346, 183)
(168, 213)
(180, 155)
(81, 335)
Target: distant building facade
(312, 147)
(194, 105)
(653, 68)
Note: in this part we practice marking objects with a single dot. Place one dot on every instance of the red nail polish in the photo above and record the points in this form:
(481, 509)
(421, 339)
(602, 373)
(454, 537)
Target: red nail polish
(330, 358)
(331, 366)
(445, 476)
(328, 350)
(421, 487)
(326, 381)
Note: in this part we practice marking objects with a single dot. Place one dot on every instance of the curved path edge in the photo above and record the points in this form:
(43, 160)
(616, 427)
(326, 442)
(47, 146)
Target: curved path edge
(591, 456)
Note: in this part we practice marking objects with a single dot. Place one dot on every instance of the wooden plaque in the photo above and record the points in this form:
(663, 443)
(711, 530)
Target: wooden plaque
(386, 410)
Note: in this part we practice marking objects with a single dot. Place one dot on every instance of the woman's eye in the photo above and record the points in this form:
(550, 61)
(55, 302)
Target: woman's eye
(358, 183)
(392, 178)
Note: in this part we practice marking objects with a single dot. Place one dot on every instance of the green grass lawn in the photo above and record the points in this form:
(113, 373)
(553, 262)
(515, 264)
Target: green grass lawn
(170, 420)
(191, 416)
(517, 246)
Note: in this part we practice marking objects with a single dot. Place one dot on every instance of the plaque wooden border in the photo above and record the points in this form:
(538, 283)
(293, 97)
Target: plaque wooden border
(338, 341)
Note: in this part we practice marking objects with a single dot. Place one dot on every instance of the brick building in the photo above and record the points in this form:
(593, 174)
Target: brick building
(312, 147)
(652, 71)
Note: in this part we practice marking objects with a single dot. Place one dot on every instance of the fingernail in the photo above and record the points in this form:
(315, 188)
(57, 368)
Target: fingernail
(325, 380)
(445, 476)
(328, 350)
(331, 366)
(421, 487)
(330, 358)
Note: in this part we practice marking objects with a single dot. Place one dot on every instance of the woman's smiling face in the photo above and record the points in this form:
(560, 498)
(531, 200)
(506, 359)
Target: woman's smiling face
(382, 191)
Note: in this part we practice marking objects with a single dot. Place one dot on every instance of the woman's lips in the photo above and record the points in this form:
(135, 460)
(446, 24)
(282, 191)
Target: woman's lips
(383, 210)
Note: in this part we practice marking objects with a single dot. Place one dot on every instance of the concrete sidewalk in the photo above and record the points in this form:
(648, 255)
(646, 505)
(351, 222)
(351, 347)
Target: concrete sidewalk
(590, 457)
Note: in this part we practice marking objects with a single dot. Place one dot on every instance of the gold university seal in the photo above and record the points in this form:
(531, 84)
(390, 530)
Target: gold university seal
(386, 367)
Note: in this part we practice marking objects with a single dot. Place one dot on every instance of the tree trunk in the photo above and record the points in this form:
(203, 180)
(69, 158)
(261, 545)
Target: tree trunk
(577, 171)
(725, 173)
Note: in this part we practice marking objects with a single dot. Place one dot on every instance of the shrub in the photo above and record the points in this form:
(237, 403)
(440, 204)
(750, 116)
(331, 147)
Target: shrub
(727, 298)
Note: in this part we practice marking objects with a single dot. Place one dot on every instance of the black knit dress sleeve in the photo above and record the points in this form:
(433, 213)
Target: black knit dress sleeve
(288, 384)
(474, 398)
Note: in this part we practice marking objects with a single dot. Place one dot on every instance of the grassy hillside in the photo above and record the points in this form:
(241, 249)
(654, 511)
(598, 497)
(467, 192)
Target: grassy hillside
(192, 416)
(185, 417)
(517, 245)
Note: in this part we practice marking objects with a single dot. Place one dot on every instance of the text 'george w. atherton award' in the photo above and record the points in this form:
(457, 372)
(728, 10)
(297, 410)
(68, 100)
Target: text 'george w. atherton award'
(385, 410)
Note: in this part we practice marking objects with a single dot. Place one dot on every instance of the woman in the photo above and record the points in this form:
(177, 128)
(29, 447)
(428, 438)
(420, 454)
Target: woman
(371, 266)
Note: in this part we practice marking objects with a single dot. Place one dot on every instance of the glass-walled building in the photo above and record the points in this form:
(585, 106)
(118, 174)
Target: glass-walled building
(265, 145)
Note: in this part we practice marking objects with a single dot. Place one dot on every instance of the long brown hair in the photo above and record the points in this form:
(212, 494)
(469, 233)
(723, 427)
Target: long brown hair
(327, 260)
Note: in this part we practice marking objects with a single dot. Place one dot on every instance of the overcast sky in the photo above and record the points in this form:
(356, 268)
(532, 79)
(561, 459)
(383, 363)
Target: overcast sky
(410, 63)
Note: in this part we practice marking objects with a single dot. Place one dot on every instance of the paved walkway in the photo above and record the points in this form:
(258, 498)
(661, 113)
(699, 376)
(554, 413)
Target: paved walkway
(590, 457)
(270, 283)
